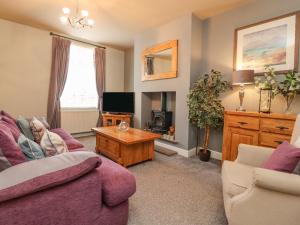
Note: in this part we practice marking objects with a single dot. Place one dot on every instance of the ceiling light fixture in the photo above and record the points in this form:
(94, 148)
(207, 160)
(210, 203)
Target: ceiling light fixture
(78, 20)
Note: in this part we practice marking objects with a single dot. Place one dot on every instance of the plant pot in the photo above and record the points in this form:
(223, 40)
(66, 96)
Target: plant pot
(204, 156)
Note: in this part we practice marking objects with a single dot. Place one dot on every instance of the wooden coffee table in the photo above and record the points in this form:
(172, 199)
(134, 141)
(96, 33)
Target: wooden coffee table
(125, 148)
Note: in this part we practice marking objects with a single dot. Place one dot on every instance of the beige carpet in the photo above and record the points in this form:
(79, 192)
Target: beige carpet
(175, 191)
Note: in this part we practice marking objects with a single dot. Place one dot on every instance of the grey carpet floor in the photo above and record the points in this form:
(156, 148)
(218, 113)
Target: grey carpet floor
(175, 191)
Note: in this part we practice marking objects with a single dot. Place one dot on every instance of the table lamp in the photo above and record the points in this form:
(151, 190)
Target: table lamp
(242, 77)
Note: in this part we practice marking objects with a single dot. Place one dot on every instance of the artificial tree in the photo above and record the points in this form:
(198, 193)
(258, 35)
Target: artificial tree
(205, 108)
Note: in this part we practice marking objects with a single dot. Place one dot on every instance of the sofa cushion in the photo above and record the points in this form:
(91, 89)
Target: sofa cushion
(236, 177)
(52, 144)
(70, 141)
(285, 158)
(118, 183)
(13, 129)
(24, 127)
(10, 152)
(41, 174)
(3, 113)
(30, 149)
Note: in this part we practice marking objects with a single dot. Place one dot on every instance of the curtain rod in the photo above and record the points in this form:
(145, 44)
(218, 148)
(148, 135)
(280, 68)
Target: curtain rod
(74, 39)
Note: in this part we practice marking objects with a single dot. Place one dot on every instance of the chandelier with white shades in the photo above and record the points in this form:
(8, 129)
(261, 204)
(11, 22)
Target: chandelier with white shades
(79, 19)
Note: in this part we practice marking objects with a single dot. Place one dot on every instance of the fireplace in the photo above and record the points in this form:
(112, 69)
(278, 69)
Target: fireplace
(161, 121)
(158, 111)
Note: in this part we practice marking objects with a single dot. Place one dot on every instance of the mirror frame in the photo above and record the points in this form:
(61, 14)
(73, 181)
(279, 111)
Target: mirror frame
(173, 44)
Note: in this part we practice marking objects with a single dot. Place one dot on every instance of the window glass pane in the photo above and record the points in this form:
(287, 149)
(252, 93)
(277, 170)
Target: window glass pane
(80, 88)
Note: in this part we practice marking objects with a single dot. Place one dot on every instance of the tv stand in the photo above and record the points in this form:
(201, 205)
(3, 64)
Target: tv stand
(110, 119)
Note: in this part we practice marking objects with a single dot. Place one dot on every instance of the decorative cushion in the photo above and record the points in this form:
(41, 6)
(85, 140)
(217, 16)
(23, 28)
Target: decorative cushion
(10, 152)
(285, 158)
(45, 173)
(30, 149)
(44, 122)
(3, 113)
(24, 126)
(70, 141)
(13, 129)
(52, 144)
(38, 129)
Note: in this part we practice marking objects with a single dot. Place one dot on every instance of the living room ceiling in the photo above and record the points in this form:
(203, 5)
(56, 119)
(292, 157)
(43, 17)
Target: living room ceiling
(116, 21)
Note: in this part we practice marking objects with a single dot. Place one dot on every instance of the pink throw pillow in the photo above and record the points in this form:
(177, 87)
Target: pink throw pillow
(285, 158)
(3, 113)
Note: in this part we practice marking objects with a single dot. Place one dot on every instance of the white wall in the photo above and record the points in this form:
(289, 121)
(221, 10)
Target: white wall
(25, 65)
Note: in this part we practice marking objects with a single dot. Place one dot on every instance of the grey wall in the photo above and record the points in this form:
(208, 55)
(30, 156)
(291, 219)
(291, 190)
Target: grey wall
(179, 29)
(129, 70)
(218, 40)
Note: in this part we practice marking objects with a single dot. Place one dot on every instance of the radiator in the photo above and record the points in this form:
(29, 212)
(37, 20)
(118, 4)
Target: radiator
(79, 121)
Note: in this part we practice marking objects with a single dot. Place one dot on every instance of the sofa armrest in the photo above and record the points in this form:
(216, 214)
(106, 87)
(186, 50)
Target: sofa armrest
(118, 183)
(253, 155)
(277, 181)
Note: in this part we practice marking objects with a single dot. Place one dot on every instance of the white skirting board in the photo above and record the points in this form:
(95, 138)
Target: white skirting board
(188, 153)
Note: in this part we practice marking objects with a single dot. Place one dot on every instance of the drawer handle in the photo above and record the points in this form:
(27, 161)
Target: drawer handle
(278, 142)
(242, 123)
(282, 128)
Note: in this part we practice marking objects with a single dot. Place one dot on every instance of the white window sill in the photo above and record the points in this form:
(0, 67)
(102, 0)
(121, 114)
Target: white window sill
(79, 109)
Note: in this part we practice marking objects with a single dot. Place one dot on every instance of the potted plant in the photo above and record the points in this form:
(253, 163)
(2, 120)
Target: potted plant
(205, 108)
(289, 88)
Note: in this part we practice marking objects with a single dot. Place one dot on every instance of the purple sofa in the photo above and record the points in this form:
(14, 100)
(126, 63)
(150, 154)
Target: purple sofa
(98, 196)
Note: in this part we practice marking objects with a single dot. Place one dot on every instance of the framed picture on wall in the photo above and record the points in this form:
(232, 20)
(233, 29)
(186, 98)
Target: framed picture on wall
(273, 42)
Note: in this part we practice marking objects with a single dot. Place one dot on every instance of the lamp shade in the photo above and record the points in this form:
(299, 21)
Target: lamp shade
(242, 77)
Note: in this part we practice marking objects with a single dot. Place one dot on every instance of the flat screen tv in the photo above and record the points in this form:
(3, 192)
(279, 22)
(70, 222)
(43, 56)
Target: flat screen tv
(118, 102)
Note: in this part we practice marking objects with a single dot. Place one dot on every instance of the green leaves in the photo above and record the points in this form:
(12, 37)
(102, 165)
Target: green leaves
(205, 109)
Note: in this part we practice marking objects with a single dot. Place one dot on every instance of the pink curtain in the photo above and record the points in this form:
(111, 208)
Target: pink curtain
(59, 71)
(100, 77)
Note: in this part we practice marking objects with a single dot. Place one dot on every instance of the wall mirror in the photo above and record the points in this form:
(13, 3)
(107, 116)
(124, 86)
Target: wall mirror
(160, 61)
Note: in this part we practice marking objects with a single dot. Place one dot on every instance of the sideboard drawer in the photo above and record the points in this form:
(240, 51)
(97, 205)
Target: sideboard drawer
(272, 140)
(247, 122)
(277, 126)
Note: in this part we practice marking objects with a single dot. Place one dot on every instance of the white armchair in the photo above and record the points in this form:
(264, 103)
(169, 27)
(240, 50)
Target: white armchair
(257, 196)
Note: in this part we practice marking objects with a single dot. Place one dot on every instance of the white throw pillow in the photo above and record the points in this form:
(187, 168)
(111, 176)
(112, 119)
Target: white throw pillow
(52, 144)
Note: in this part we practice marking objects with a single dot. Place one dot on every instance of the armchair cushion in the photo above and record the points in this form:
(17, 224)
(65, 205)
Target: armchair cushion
(37, 175)
(284, 158)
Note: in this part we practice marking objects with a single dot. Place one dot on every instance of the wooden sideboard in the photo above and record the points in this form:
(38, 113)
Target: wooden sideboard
(115, 119)
(254, 128)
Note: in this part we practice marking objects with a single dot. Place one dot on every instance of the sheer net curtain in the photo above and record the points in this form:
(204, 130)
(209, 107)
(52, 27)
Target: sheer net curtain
(59, 71)
(100, 79)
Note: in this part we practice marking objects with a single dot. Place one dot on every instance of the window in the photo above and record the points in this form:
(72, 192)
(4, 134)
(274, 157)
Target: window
(80, 88)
